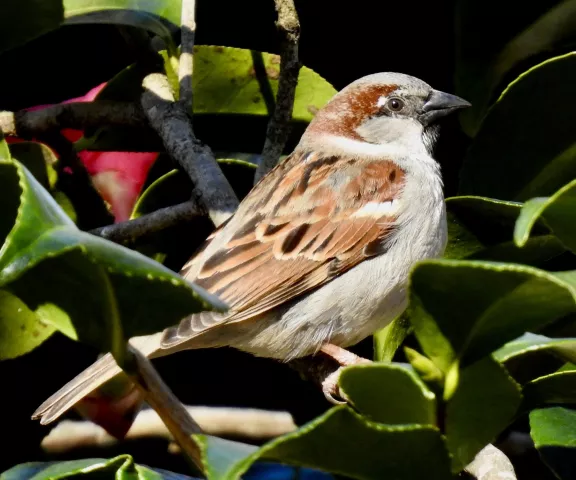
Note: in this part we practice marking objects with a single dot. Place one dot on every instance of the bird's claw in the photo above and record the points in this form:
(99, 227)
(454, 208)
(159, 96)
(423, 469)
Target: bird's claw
(331, 389)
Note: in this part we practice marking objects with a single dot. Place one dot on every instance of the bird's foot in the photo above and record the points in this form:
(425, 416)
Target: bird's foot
(344, 358)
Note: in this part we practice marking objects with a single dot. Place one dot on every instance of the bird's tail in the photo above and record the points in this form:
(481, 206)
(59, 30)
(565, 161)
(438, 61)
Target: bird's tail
(102, 393)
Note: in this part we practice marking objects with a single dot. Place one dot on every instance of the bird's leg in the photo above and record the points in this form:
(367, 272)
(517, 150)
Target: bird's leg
(344, 358)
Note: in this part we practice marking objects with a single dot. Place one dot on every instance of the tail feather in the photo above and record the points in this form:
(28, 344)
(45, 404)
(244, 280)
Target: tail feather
(75, 390)
(107, 408)
(91, 379)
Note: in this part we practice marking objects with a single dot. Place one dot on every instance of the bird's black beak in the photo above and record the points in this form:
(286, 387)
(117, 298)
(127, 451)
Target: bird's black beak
(440, 104)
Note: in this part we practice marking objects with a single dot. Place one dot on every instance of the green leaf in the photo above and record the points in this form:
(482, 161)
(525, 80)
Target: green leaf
(226, 81)
(532, 157)
(25, 20)
(559, 213)
(554, 433)
(118, 468)
(464, 310)
(531, 343)
(426, 368)
(481, 228)
(389, 393)
(21, 330)
(342, 442)
(484, 403)
(558, 387)
(158, 16)
(79, 283)
(388, 339)
(28, 210)
(4, 150)
(520, 32)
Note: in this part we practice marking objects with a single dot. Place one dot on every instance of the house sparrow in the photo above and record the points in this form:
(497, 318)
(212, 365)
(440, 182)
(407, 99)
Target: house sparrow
(317, 256)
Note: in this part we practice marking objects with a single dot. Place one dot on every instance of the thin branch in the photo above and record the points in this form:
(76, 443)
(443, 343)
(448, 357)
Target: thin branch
(491, 464)
(173, 125)
(130, 231)
(79, 115)
(186, 62)
(278, 127)
(251, 424)
(157, 394)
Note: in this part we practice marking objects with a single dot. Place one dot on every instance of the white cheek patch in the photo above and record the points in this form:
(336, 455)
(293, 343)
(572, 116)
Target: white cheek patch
(378, 209)
(381, 101)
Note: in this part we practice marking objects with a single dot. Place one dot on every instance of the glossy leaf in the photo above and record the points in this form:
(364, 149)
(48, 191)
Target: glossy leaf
(226, 81)
(117, 468)
(559, 213)
(343, 442)
(389, 393)
(79, 283)
(482, 228)
(4, 149)
(389, 339)
(554, 433)
(531, 343)
(425, 368)
(464, 310)
(21, 330)
(29, 211)
(483, 404)
(516, 155)
(556, 388)
(519, 32)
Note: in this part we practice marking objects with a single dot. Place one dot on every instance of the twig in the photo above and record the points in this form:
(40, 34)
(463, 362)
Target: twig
(252, 424)
(491, 464)
(278, 127)
(157, 394)
(128, 232)
(173, 125)
(79, 115)
(186, 62)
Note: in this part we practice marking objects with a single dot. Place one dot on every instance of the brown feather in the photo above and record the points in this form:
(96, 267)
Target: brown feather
(299, 231)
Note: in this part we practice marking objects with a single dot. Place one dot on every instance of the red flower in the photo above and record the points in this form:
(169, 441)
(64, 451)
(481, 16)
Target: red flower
(118, 176)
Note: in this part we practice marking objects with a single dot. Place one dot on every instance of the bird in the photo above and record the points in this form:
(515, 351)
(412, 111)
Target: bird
(318, 255)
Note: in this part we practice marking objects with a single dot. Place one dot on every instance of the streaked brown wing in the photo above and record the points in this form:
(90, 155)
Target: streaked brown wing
(312, 220)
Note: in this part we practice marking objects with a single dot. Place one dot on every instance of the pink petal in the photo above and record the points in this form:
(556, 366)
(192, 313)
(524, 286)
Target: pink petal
(118, 176)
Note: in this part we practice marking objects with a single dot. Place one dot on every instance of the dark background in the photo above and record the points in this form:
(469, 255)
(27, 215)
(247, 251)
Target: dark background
(341, 44)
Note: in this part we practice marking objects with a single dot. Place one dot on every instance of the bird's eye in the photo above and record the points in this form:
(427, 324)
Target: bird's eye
(395, 104)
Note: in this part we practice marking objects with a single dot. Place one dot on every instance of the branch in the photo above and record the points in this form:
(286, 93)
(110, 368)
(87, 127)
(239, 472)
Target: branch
(157, 394)
(78, 115)
(278, 127)
(252, 424)
(491, 464)
(130, 231)
(186, 62)
(173, 125)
